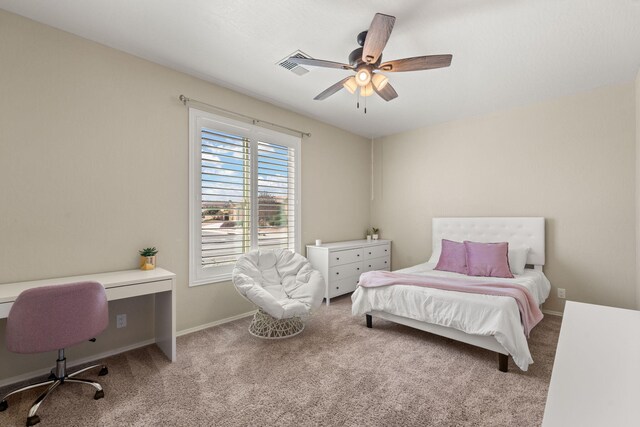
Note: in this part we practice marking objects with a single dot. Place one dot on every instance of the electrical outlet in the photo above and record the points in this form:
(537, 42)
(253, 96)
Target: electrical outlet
(121, 320)
(562, 293)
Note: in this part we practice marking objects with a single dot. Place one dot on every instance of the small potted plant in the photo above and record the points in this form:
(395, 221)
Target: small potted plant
(368, 233)
(148, 258)
(375, 232)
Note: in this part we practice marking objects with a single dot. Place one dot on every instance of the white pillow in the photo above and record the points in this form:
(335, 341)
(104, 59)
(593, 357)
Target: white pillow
(518, 259)
(435, 256)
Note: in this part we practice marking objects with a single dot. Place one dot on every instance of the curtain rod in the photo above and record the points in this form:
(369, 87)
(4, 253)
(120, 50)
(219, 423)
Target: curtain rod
(255, 121)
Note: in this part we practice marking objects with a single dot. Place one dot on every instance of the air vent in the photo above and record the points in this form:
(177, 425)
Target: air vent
(292, 66)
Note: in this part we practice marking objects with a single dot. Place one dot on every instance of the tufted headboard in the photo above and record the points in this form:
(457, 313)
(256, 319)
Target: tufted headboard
(518, 231)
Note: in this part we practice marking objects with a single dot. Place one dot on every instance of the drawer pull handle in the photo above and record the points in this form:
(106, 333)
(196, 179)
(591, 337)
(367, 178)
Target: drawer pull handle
(358, 268)
(369, 253)
(337, 287)
(358, 254)
(337, 258)
(337, 272)
(369, 265)
(385, 250)
(385, 262)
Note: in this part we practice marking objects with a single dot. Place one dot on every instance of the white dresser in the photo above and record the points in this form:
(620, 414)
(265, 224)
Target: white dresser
(341, 263)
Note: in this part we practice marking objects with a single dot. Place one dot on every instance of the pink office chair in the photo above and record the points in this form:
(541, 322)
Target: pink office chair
(52, 318)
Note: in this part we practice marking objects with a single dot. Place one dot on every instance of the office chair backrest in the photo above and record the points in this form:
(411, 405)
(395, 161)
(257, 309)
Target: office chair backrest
(55, 317)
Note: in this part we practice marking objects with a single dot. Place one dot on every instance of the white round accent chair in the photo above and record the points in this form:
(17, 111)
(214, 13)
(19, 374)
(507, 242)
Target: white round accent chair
(283, 285)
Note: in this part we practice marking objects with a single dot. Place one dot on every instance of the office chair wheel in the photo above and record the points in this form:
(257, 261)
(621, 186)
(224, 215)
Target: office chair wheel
(104, 371)
(99, 394)
(3, 405)
(31, 421)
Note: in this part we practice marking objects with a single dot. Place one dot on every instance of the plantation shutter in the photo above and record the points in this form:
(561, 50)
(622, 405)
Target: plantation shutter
(225, 198)
(243, 190)
(276, 196)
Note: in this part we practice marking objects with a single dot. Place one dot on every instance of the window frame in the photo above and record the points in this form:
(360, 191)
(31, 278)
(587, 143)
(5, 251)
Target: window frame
(197, 119)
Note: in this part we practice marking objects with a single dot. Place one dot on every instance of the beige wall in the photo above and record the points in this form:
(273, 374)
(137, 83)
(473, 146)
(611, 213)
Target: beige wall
(94, 166)
(638, 190)
(571, 160)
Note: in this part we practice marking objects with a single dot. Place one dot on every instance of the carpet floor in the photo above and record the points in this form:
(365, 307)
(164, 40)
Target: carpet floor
(336, 373)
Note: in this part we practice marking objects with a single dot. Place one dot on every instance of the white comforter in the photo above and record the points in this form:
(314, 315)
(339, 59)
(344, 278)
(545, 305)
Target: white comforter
(471, 313)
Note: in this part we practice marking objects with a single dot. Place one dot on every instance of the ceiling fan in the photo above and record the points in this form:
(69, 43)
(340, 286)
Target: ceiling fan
(367, 63)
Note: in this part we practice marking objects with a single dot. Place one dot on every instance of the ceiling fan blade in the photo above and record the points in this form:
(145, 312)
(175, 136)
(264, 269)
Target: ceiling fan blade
(320, 63)
(417, 63)
(387, 92)
(331, 90)
(377, 37)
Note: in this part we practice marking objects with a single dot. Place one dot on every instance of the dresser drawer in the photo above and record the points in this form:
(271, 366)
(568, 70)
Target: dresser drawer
(383, 263)
(343, 286)
(345, 257)
(128, 291)
(341, 271)
(377, 251)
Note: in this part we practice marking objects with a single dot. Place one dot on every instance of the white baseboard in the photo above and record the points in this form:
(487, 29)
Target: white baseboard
(552, 312)
(71, 363)
(75, 362)
(216, 323)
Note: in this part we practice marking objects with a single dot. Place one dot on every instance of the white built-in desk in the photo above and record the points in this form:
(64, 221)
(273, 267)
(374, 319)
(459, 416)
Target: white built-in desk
(119, 285)
(596, 373)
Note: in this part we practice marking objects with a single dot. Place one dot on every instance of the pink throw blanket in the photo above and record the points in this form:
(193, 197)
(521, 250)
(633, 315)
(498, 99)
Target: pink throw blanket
(530, 313)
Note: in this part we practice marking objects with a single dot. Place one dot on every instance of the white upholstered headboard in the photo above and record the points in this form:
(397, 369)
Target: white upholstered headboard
(518, 231)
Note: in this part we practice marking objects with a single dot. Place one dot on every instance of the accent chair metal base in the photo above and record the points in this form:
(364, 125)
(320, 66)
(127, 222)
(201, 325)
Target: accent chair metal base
(58, 376)
(266, 326)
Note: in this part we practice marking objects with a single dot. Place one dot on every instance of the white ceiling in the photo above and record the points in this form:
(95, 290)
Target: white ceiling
(505, 52)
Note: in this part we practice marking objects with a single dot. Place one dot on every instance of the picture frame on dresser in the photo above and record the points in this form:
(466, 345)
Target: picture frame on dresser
(342, 263)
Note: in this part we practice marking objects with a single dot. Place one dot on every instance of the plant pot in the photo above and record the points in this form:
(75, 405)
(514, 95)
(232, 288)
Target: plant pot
(375, 237)
(368, 237)
(147, 262)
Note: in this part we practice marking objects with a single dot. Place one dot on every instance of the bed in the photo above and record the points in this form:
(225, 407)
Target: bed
(486, 321)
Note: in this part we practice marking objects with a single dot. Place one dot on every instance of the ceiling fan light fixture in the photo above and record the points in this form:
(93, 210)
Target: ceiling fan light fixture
(366, 90)
(363, 77)
(379, 81)
(366, 63)
(351, 85)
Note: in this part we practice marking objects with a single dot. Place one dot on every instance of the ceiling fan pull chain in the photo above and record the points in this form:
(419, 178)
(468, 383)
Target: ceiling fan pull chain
(365, 105)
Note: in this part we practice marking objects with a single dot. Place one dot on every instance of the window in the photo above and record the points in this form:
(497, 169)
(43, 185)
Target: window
(244, 183)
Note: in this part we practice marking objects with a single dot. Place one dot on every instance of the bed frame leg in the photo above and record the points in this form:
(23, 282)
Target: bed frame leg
(369, 321)
(503, 362)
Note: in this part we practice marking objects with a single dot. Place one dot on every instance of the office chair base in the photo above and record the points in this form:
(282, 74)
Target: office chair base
(53, 382)
(103, 371)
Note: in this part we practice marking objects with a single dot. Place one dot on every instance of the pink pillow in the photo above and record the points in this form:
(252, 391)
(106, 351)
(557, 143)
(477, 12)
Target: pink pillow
(452, 257)
(488, 259)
